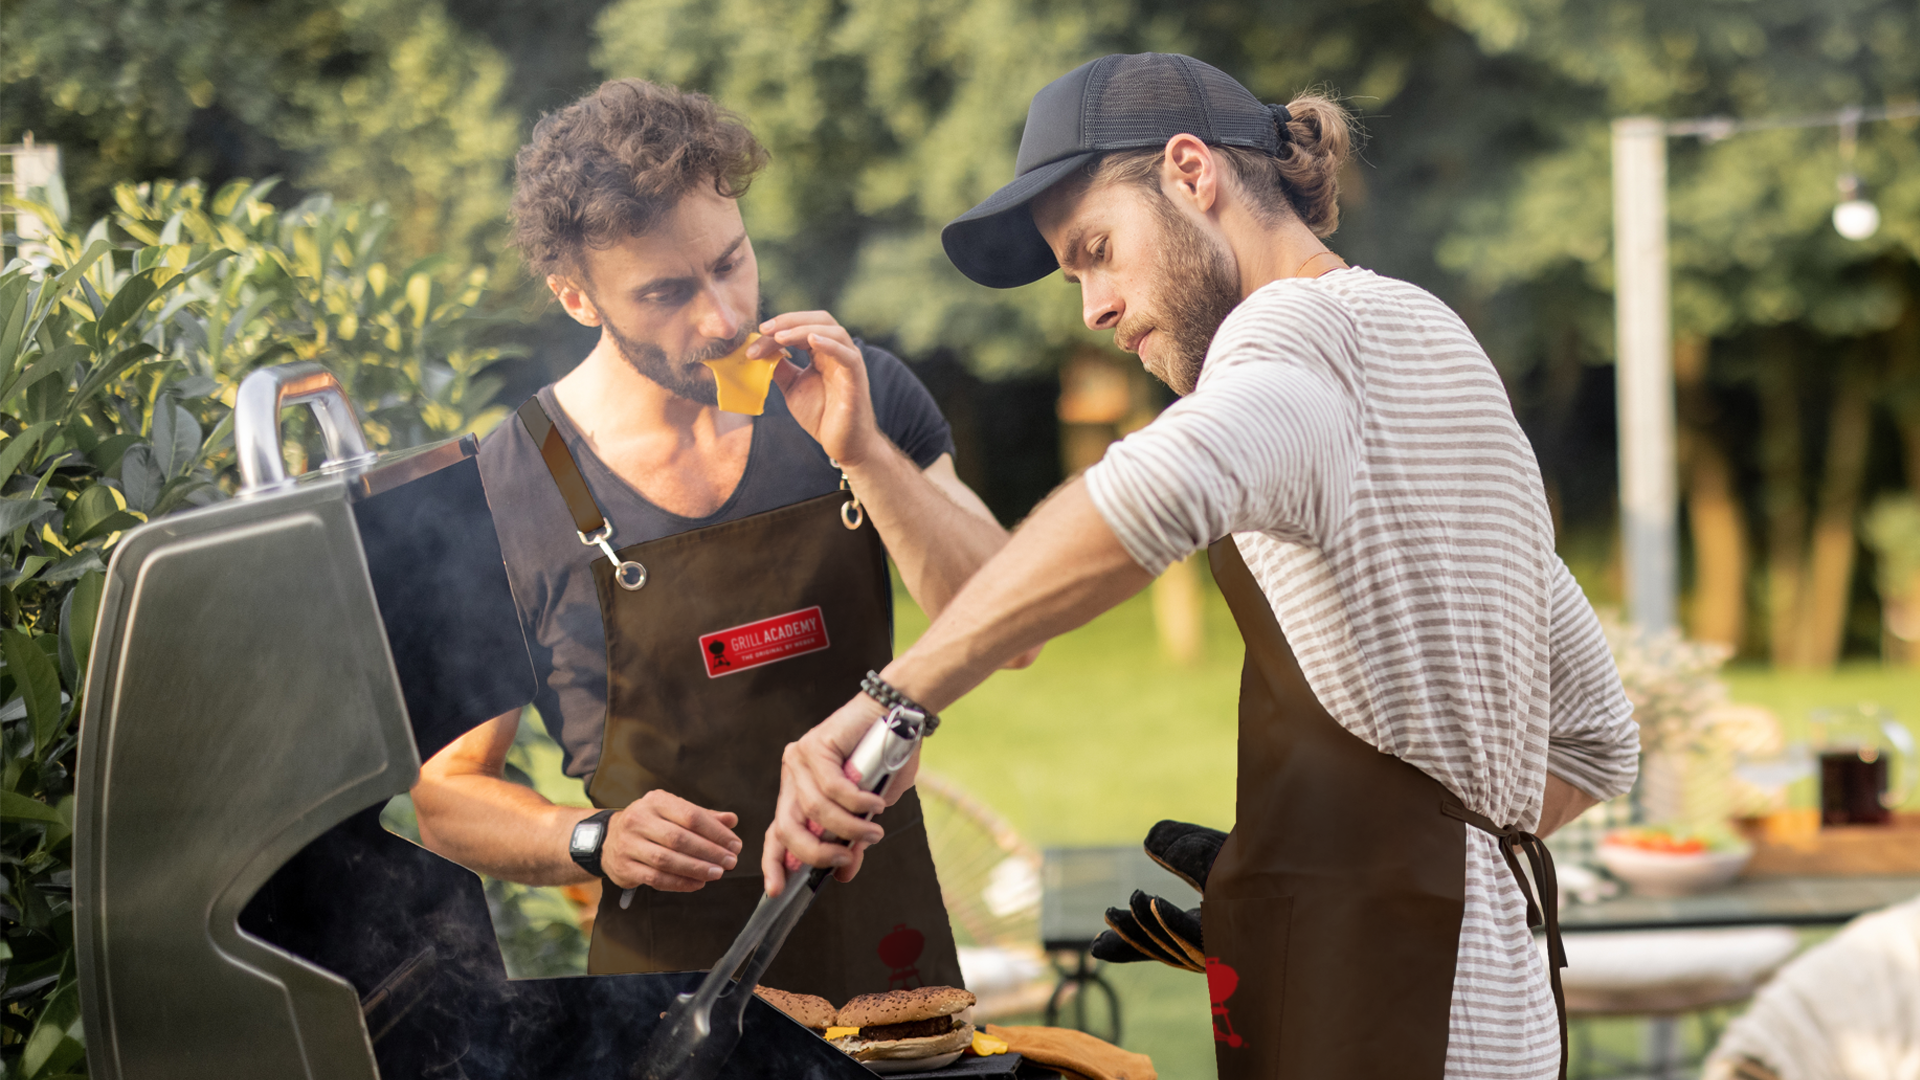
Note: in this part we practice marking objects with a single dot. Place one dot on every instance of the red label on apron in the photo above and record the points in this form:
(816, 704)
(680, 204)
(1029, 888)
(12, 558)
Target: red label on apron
(753, 644)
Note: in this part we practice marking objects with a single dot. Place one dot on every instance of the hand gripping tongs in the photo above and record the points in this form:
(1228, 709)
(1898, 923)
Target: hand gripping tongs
(702, 1028)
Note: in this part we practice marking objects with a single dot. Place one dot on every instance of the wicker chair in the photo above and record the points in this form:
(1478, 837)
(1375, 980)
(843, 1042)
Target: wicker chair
(990, 880)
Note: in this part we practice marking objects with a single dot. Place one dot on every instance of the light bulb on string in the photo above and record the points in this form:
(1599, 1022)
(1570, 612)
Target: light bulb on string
(1854, 218)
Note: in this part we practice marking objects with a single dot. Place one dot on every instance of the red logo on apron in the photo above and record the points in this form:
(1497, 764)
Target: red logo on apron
(1222, 981)
(753, 644)
(899, 950)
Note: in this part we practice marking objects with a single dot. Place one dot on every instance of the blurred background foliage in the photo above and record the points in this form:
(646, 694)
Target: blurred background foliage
(391, 126)
(370, 100)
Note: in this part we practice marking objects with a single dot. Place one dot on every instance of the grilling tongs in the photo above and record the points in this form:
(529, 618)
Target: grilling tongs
(702, 1028)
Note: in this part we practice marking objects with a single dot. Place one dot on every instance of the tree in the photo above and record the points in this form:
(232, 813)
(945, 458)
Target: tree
(1770, 304)
(368, 99)
(885, 121)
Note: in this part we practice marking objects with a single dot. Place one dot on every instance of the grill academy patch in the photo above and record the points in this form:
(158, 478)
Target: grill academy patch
(750, 645)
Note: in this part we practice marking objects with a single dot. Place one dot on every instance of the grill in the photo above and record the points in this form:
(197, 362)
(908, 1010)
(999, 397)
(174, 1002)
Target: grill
(267, 672)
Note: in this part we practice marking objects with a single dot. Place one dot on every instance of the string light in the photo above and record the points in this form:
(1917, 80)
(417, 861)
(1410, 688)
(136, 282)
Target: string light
(1855, 218)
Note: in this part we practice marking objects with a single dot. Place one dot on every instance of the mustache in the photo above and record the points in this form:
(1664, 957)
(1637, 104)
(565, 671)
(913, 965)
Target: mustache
(721, 348)
(1129, 331)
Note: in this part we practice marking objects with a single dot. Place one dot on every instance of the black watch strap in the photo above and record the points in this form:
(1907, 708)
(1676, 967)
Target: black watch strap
(585, 855)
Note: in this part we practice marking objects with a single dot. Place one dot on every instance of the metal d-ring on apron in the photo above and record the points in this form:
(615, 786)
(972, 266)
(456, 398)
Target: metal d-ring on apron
(1332, 915)
(725, 643)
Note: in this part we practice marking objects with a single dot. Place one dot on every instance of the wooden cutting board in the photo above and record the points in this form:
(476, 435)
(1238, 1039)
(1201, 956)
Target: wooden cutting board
(1794, 843)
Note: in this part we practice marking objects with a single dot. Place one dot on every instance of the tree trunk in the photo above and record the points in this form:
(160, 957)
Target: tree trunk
(1900, 615)
(1177, 612)
(1714, 517)
(1829, 577)
(1786, 512)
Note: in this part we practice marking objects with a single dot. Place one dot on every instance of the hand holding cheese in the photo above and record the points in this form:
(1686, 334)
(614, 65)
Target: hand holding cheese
(830, 397)
(742, 381)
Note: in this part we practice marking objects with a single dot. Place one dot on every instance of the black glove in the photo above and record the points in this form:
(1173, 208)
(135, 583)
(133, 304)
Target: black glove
(1150, 928)
(1187, 851)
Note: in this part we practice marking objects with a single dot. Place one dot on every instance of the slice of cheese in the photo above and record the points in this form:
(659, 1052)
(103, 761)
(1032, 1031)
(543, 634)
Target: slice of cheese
(986, 1045)
(839, 1033)
(742, 383)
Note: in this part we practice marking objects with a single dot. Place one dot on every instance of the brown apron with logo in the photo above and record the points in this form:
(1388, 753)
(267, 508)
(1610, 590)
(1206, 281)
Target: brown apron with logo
(1332, 915)
(724, 644)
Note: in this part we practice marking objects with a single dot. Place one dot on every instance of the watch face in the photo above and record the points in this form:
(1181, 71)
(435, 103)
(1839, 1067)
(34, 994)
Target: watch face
(586, 836)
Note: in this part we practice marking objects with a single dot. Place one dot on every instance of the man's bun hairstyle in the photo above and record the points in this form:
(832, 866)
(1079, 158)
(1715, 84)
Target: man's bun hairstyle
(1306, 171)
(614, 163)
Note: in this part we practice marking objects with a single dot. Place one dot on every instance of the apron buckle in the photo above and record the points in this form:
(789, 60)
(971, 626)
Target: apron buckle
(851, 514)
(630, 575)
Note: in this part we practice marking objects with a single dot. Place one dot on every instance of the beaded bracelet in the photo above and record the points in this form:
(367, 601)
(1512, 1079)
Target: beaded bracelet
(883, 692)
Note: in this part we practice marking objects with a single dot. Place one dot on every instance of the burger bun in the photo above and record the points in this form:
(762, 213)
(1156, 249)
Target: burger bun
(928, 1046)
(805, 1009)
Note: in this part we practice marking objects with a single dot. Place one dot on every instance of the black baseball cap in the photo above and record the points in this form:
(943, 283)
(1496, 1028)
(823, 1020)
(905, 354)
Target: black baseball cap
(1120, 102)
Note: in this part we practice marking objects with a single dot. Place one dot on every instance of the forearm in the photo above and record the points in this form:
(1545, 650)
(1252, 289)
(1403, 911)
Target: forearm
(1063, 567)
(1561, 803)
(497, 827)
(936, 542)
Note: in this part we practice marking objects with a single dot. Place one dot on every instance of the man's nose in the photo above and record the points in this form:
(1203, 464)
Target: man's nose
(1100, 305)
(719, 318)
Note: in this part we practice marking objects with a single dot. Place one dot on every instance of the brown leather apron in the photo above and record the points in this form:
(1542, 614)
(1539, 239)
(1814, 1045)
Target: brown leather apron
(738, 639)
(1332, 915)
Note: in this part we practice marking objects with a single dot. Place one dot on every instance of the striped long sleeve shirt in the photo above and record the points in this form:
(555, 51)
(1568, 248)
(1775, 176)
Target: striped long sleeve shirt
(1353, 437)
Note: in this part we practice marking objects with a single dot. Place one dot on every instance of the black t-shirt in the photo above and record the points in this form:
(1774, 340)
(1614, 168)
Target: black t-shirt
(552, 571)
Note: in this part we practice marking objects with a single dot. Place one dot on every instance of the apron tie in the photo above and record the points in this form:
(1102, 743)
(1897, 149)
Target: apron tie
(1545, 912)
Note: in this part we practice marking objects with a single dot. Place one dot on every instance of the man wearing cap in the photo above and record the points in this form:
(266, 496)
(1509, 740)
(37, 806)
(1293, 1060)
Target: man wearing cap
(1426, 689)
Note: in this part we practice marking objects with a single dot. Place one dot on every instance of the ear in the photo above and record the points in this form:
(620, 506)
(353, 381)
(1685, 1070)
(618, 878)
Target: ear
(573, 297)
(1189, 171)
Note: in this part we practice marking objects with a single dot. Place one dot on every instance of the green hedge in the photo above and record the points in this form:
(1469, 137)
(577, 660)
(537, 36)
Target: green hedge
(121, 347)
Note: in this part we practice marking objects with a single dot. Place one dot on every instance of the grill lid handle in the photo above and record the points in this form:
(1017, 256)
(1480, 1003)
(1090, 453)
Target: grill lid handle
(256, 421)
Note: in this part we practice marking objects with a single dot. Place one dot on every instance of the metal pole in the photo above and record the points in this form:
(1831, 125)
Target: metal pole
(1644, 372)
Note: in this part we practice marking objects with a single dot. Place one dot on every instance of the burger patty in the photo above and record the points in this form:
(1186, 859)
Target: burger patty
(912, 1029)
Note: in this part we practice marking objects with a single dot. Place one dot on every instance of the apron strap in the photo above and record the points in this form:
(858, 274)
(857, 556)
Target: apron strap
(1545, 912)
(566, 472)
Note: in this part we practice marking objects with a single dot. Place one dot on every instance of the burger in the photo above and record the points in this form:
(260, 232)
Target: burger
(904, 1025)
(806, 1010)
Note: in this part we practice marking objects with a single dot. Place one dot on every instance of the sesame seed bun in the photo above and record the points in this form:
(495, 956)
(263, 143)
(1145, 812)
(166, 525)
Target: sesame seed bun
(811, 1011)
(903, 1006)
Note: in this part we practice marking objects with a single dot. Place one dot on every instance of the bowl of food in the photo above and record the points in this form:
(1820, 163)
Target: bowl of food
(1659, 863)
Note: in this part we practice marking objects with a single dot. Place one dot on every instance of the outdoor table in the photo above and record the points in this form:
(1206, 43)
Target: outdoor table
(1077, 886)
(1768, 901)
(1764, 901)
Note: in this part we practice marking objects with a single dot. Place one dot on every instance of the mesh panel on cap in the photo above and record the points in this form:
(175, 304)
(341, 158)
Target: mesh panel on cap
(1146, 99)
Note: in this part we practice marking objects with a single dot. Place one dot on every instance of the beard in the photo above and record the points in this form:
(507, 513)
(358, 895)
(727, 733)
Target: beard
(1199, 291)
(687, 378)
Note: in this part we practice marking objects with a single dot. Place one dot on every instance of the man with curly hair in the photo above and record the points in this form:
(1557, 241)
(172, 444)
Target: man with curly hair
(698, 585)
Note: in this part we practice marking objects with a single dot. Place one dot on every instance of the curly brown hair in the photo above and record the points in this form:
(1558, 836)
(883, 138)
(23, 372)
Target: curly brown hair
(615, 162)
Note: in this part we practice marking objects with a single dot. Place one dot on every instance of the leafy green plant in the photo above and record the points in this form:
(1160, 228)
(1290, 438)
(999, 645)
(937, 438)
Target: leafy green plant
(120, 352)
